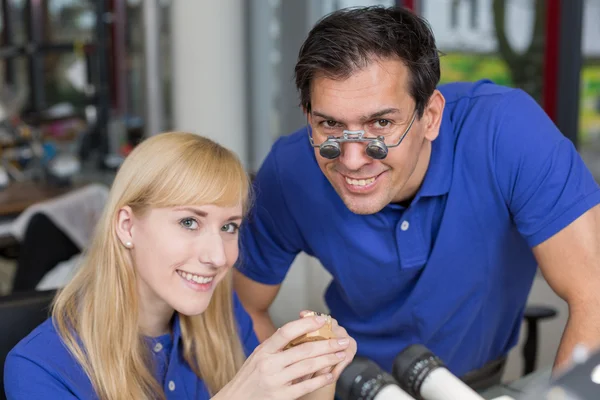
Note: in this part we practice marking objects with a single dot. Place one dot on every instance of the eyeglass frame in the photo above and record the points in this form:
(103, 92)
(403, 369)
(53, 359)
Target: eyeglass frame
(378, 141)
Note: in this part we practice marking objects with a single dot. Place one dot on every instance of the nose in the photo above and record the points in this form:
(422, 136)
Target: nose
(212, 250)
(353, 156)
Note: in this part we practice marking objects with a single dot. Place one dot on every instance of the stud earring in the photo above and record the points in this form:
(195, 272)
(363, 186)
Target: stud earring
(128, 245)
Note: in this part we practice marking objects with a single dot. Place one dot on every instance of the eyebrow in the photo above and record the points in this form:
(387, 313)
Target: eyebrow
(193, 210)
(203, 214)
(375, 115)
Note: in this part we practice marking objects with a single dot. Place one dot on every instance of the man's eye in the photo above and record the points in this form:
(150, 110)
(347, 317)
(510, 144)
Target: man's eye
(382, 123)
(231, 227)
(189, 223)
(330, 124)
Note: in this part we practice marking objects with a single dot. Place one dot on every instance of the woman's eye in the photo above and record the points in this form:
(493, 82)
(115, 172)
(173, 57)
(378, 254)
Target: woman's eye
(230, 227)
(189, 223)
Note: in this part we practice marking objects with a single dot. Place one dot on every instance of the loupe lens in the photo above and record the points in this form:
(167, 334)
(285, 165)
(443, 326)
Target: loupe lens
(330, 149)
(377, 150)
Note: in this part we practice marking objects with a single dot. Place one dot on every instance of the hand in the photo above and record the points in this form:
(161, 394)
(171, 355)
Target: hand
(271, 373)
(340, 334)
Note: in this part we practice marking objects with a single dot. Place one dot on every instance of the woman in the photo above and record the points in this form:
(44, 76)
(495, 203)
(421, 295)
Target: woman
(151, 313)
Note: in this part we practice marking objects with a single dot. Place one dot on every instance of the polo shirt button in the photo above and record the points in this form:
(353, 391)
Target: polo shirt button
(404, 225)
(157, 347)
(171, 386)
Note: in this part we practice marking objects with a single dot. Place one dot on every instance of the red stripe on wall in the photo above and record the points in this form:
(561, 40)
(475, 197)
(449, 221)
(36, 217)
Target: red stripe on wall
(549, 91)
(410, 4)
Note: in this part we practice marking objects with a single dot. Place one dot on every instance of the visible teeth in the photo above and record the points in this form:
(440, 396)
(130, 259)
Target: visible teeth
(360, 182)
(195, 278)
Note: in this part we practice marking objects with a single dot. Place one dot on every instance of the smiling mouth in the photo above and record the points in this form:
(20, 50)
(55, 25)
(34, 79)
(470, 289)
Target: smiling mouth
(360, 182)
(202, 279)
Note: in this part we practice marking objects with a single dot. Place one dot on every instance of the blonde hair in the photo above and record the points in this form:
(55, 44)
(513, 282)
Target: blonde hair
(96, 313)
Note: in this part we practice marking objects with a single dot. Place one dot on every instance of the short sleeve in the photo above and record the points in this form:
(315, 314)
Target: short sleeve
(24, 379)
(541, 176)
(269, 239)
(246, 327)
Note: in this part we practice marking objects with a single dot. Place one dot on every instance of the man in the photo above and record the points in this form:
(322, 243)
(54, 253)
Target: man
(436, 241)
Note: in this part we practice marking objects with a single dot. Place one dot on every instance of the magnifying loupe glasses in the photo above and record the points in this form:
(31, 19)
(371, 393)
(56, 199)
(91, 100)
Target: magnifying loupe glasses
(376, 147)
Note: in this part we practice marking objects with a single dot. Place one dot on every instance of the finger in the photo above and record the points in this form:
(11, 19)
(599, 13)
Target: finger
(291, 331)
(309, 367)
(304, 378)
(307, 386)
(282, 359)
(324, 371)
(310, 350)
(350, 354)
(337, 370)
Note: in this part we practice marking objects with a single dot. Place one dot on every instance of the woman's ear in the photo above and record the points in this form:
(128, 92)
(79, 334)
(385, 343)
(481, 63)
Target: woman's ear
(125, 226)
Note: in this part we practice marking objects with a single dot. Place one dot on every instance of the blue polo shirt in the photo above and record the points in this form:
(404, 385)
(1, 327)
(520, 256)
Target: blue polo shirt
(41, 367)
(454, 269)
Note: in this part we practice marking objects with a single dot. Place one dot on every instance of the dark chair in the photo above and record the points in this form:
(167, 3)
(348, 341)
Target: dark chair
(20, 313)
(487, 376)
(533, 316)
(44, 245)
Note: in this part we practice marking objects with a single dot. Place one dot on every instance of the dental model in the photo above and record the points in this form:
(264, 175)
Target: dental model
(323, 333)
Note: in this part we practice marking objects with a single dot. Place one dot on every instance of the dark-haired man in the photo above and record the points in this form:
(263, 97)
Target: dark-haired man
(431, 207)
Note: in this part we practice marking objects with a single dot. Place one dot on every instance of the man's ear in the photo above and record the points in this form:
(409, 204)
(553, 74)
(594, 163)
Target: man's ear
(306, 112)
(125, 226)
(432, 116)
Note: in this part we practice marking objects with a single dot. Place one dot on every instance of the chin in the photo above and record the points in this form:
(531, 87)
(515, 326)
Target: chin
(192, 308)
(364, 209)
(364, 205)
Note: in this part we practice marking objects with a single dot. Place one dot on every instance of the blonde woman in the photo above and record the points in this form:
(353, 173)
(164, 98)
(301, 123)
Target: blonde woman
(151, 313)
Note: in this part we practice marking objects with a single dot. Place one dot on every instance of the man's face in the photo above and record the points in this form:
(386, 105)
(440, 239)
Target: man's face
(375, 99)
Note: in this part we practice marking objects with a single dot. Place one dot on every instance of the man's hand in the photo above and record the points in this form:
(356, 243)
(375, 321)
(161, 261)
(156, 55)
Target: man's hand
(570, 262)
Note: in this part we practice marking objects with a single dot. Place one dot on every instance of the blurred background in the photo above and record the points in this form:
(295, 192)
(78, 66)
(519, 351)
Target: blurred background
(82, 82)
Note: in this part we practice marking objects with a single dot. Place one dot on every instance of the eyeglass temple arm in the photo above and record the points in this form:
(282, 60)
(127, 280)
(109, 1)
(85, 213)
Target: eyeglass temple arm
(412, 121)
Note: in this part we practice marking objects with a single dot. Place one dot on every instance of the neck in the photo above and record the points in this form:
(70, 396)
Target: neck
(154, 314)
(417, 177)
(154, 323)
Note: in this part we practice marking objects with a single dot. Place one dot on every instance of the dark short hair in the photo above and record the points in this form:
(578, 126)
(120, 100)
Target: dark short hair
(348, 39)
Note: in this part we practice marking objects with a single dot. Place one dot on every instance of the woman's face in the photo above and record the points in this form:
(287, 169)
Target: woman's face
(181, 254)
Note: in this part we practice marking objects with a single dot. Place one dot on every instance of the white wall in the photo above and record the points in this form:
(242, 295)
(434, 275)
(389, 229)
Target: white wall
(302, 289)
(208, 74)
